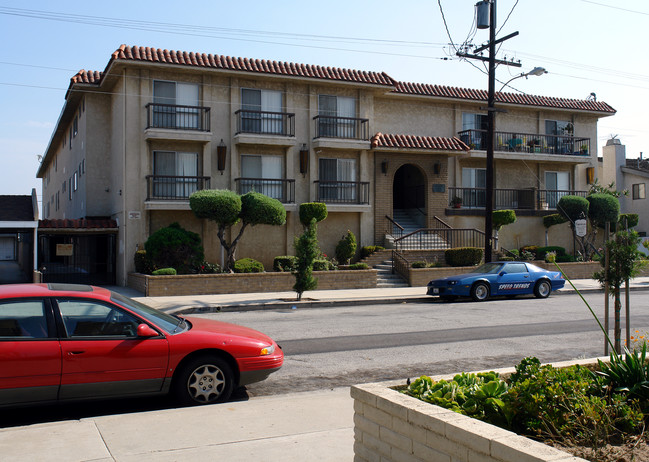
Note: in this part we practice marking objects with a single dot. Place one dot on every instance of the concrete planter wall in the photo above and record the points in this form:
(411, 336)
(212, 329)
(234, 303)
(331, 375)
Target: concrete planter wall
(390, 426)
(205, 284)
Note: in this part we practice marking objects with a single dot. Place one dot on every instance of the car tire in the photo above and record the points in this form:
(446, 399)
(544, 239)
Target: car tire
(204, 380)
(480, 291)
(542, 289)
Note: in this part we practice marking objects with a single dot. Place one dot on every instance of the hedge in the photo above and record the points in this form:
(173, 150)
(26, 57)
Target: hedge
(463, 256)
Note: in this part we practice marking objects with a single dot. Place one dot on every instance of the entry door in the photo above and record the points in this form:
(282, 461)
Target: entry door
(102, 355)
(7, 248)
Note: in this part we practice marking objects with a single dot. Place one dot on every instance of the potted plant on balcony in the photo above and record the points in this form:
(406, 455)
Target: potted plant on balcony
(584, 149)
(456, 202)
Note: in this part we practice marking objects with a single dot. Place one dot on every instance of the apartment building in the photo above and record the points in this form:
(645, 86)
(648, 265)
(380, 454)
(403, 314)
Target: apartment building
(135, 140)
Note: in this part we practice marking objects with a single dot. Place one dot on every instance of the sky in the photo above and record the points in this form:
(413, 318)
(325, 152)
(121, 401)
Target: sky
(586, 47)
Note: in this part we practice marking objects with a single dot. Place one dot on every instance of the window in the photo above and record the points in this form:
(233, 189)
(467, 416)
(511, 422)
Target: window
(75, 126)
(260, 111)
(337, 179)
(24, 318)
(590, 175)
(83, 166)
(256, 171)
(176, 174)
(557, 185)
(65, 183)
(75, 181)
(638, 191)
(56, 207)
(70, 137)
(477, 123)
(175, 105)
(515, 268)
(87, 318)
(474, 182)
(69, 189)
(336, 116)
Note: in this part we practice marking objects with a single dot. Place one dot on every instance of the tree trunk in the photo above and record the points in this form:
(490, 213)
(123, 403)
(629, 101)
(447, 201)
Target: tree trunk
(618, 329)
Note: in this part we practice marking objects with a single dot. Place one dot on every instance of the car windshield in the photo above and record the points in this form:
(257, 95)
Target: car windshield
(167, 322)
(488, 268)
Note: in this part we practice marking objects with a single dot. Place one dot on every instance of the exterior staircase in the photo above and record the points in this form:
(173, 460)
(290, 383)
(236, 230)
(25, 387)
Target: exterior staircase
(381, 261)
(410, 225)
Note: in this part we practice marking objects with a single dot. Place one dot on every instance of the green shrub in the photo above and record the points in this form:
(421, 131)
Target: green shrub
(174, 247)
(418, 264)
(248, 265)
(346, 248)
(541, 251)
(142, 263)
(284, 263)
(368, 250)
(312, 211)
(554, 219)
(463, 256)
(358, 266)
(629, 220)
(502, 218)
(572, 207)
(603, 209)
(321, 264)
(565, 259)
(530, 249)
(208, 268)
(164, 272)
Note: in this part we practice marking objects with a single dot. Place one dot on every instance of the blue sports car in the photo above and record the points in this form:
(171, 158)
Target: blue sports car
(509, 278)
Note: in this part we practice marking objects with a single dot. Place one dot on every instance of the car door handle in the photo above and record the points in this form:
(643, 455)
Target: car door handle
(71, 353)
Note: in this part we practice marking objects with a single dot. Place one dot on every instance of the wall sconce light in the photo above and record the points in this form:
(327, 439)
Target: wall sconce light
(384, 167)
(221, 150)
(304, 159)
(437, 167)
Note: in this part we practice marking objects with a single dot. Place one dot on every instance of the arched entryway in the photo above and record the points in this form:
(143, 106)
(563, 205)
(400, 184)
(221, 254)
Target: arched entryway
(409, 194)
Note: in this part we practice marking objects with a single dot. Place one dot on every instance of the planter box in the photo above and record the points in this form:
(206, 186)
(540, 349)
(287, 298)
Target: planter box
(206, 284)
(390, 426)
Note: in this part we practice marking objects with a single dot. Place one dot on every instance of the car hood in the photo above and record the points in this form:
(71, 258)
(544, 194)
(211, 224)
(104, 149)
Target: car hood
(458, 277)
(227, 329)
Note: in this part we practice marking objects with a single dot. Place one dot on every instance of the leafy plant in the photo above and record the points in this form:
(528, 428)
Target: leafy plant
(463, 256)
(306, 251)
(248, 265)
(368, 250)
(284, 263)
(358, 266)
(174, 247)
(165, 272)
(346, 248)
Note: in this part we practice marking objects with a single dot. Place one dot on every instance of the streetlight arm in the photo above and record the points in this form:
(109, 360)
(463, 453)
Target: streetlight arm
(536, 71)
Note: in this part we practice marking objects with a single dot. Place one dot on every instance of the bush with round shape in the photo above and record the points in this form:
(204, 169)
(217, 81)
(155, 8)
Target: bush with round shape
(248, 265)
(218, 205)
(603, 209)
(553, 219)
(174, 247)
(284, 263)
(165, 272)
(322, 265)
(502, 218)
(312, 211)
(259, 209)
(573, 207)
(346, 248)
(463, 256)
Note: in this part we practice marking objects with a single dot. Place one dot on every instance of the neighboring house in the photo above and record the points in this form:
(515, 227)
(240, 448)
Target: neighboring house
(134, 141)
(627, 174)
(18, 238)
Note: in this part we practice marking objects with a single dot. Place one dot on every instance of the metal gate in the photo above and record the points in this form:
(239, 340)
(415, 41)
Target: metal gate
(77, 259)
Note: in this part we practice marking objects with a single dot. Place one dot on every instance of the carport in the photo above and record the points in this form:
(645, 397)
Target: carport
(18, 238)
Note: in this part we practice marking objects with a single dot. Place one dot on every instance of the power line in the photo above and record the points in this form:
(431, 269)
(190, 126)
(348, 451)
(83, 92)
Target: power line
(616, 7)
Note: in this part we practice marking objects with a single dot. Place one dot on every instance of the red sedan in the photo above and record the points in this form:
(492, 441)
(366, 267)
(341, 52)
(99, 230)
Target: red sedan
(68, 342)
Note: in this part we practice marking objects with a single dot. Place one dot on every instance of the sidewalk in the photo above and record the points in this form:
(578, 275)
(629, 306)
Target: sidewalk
(195, 304)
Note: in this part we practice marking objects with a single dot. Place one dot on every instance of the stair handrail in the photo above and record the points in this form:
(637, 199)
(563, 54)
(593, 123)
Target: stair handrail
(442, 222)
(399, 264)
(473, 232)
(394, 223)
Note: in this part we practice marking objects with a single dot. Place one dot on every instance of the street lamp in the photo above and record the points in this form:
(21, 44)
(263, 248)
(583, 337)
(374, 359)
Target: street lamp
(536, 71)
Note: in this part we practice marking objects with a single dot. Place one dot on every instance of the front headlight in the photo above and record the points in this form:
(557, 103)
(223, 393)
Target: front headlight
(269, 350)
(452, 283)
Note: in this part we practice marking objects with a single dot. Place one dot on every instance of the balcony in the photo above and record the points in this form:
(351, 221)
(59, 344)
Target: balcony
(282, 190)
(515, 199)
(342, 192)
(350, 128)
(265, 123)
(527, 143)
(175, 117)
(174, 188)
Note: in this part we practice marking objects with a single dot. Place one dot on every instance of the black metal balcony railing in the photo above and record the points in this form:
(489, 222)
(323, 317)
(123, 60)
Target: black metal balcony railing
(280, 189)
(165, 187)
(178, 117)
(265, 123)
(530, 199)
(341, 127)
(342, 192)
(527, 142)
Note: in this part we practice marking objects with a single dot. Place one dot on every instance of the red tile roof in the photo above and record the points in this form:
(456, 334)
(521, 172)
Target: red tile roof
(78, 224)
(262, 66)
(443, 91)
(438, 143)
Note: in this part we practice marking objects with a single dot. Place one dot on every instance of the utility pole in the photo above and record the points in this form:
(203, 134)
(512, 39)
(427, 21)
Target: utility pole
(491, 109)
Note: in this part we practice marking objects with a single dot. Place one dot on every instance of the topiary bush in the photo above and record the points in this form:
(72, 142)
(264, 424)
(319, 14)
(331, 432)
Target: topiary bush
(322, 265)
(368, 250)
(174, 247)
(463, 256)
(629, 220)
(603, 209)
(164, 272)
(346, 248)
(248, 265)
(284, 263)
(502, 218)
(312, 211)
(554, 219)
(142, 263)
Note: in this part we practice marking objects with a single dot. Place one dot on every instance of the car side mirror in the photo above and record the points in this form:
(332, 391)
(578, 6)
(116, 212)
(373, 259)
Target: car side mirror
(502, 273)
(144, 330)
